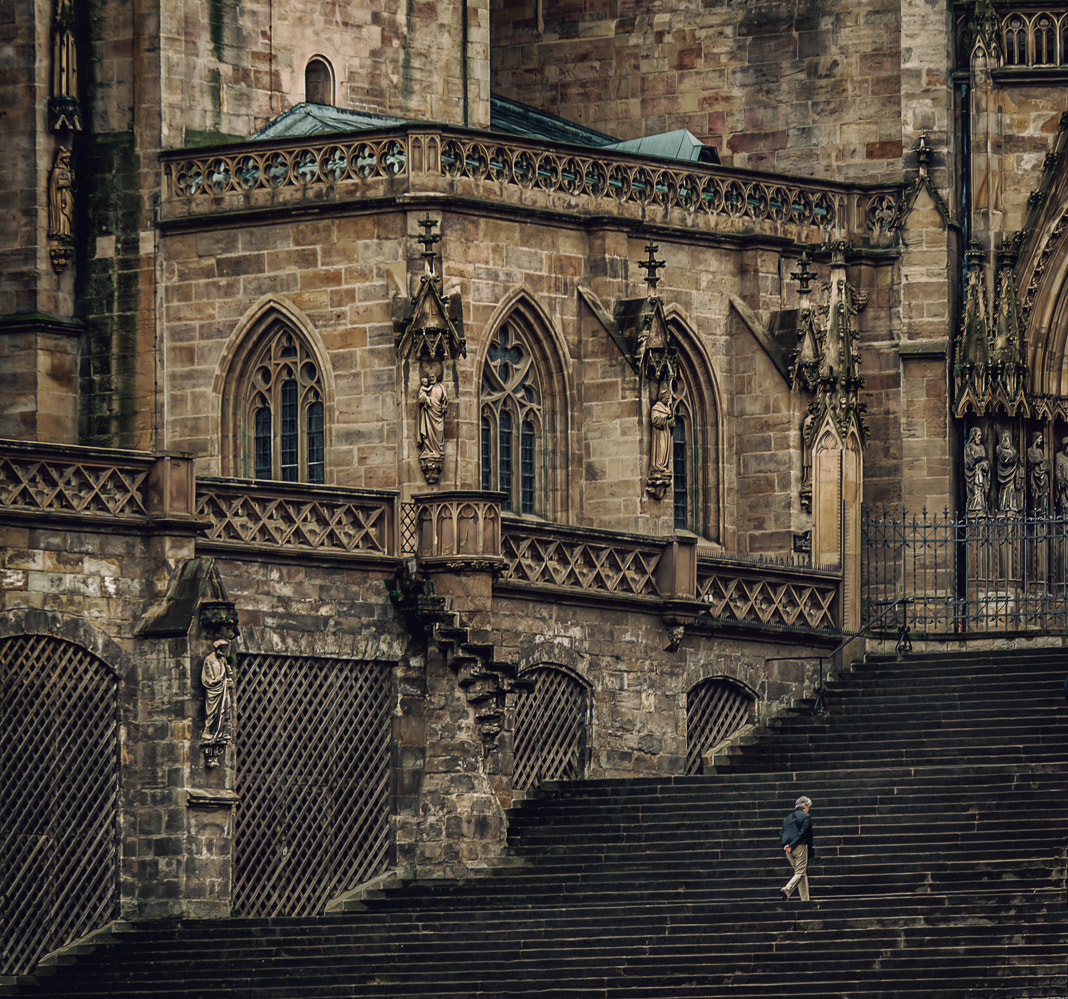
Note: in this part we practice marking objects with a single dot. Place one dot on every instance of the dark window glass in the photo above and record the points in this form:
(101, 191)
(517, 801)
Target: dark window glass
(678, 474)
(526, 467)
(263, 443)
(487, 454)
(315, 442)
(290, 432)
(504, 459)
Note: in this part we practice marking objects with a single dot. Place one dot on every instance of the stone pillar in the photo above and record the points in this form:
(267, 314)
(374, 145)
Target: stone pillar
(837, 488)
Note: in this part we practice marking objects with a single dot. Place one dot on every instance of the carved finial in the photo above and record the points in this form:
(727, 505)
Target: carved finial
(651, 266)
(923, 154)
(804, 275)
(429, 239)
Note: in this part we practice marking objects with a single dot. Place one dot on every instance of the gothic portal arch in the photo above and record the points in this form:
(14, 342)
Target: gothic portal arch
(524, 410)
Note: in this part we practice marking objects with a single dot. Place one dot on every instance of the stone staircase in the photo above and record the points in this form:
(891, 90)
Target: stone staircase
(940, 802)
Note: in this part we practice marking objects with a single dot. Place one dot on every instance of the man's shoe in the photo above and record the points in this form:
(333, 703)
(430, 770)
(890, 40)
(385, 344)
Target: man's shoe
(785, 897)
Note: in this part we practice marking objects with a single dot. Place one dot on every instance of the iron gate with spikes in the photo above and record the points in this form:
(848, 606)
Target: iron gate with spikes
(313, 776)
(714, 709)
(59, 781)
(551, 728)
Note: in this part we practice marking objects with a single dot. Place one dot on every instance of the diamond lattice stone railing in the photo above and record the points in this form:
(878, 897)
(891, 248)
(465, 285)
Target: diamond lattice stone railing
(77, 482)
(410, 159)
(317, 519)
(591, 561)
(766, 594)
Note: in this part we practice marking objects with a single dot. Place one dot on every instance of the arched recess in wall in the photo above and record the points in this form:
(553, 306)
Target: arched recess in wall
(319, 81)
(716, 707)
(697, 466)
(552, 726)
(276, 394)
(524, 410)
(59, 712)
(1048, 329)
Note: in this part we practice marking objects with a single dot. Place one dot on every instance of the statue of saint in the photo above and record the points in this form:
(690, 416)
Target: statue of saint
(1010, 475)
(976, 472)
(433, 404)
(663, 422)
(60, 196)
(217, 676)
(1060, 478)
(1038, 473)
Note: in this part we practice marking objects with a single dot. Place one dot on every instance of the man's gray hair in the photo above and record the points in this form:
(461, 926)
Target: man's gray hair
(802, 801)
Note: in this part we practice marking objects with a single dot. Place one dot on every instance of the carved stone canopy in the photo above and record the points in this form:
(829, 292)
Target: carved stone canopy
(429, 327)
(646, 338)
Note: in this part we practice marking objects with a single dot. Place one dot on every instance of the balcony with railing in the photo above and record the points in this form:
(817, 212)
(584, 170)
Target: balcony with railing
(412, 160)
(446, 531)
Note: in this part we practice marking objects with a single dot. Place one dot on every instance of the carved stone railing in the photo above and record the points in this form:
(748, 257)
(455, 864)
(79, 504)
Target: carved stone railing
(412, 160)
(593, 562)
(49, 482)
(1017, 35)
(458, 530)
(769, 595)
(296, 519)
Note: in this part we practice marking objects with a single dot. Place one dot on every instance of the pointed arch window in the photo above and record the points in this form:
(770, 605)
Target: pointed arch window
(513, 445)
(319, 82)
(284, 425)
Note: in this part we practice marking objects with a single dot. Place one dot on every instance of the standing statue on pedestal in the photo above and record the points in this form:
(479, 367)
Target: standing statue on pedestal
(1038, 474)
(433, 404)
(1010, 475)
(61, 211)
(976, 472)
(217, 676)
(663, 423)
(1060, 478)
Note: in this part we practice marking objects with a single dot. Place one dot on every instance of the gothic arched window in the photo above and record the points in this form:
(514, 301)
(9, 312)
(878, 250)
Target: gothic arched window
(283, 426)
(513, 431)
(683, 463)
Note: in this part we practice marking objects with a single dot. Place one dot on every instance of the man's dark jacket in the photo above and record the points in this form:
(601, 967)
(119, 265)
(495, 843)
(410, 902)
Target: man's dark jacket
(797, 828)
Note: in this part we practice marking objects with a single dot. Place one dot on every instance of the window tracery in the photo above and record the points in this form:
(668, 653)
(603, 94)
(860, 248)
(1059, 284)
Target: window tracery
(283, 429)
(513, 427)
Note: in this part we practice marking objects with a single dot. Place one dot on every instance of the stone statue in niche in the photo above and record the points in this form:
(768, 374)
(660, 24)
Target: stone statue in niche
(217, 676)
(662, 420)
(976, 472)
(1060, 477)
(61, 211)
(1009, 475)
(1038, 473)
(433, 404)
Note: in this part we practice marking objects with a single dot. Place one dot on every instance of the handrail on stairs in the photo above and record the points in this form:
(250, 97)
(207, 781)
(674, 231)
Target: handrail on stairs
(903, 648)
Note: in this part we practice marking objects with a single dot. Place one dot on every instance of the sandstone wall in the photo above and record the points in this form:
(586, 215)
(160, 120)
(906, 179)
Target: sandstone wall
(810, 89)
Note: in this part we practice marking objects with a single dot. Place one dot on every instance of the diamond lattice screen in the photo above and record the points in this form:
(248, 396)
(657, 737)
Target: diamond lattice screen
(58, 796)
(550, 729)
(714, 709)
(313, 752)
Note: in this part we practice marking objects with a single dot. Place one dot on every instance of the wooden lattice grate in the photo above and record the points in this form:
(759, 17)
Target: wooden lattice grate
(550, 729)
(59, 794)
(313, 753)
(714, 709)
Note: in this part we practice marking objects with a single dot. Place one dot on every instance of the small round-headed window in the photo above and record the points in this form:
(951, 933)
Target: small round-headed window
(715, 710)
(319, 82)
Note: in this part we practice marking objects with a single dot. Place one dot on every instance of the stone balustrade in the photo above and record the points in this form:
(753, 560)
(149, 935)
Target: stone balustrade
(408, 160)
(458, 530)
(298, 519)
(769, 594)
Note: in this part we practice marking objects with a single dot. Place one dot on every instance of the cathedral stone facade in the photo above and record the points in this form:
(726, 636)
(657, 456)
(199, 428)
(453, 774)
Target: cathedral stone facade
(408, 404)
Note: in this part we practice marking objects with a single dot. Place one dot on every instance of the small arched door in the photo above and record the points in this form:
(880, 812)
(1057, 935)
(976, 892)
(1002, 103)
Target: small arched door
(59, 788)
(715, 708)
(551, 728)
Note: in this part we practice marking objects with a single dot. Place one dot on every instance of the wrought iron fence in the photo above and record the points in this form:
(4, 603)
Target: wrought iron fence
(1004, 572)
